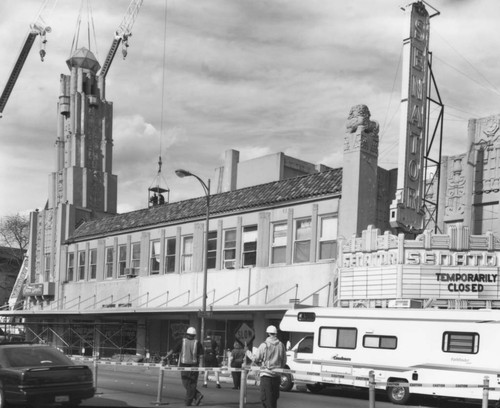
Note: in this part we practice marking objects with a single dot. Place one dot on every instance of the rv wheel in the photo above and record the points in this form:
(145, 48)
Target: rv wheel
(286, 383)
(398, 395)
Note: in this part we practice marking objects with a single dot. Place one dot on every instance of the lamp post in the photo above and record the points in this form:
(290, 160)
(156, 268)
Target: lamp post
(206, 187)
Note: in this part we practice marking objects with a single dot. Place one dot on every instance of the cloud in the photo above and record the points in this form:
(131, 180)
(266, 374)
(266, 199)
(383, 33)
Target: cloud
(258, 76)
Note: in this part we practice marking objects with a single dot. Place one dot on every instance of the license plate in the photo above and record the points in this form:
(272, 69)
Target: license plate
(62, 398)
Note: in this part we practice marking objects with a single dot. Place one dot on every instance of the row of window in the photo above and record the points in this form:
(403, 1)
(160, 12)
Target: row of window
(346, 338)
(127, 258)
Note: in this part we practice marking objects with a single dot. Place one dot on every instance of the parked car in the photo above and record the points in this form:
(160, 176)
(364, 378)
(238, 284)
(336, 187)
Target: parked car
(36, 374)
(11, 337)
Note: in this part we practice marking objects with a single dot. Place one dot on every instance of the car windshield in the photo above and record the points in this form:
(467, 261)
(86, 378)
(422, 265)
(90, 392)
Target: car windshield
(32, 357)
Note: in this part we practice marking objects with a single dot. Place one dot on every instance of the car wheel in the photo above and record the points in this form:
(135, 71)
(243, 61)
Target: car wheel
(398, 395)
(286, 383)
(315, 388)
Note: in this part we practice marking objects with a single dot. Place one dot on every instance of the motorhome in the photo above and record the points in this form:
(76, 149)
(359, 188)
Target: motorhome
(445, 353)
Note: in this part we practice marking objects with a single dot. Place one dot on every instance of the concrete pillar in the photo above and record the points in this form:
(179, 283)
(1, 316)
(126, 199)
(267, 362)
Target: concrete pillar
(141, 338)
(470, 176)
(230, 176)
(359, 175)
(260, 325)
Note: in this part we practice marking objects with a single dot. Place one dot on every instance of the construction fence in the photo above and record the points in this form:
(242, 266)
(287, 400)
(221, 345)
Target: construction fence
(253, 372)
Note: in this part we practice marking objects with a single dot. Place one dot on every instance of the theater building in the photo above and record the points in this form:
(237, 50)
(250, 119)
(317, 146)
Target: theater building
(282, 232)
(455, 265)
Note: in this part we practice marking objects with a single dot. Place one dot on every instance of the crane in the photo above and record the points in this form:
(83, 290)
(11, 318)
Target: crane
(36, 28)
(121, 35)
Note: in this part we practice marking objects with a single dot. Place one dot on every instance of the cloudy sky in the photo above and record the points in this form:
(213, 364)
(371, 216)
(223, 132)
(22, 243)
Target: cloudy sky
(258, 76)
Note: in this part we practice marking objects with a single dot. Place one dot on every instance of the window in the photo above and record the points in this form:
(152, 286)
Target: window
(46, 267)
(154, 258)
(486, 217)
(122, 259)
(302, 245)
(229, 249)
(109, 262)
(306, 316)
(459, 342)
(187, 254)
(306, 345)
(81, 265)
(250, 245)
(93, 263)
(170, 255)
(338, 337)
(328, 238)
(212, 249)
(71, 267)
(135, 260)
(382, 342)
(278, 251)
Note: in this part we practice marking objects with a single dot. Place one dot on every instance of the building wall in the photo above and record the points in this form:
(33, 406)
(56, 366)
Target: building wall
(280, 285)
(471, 180)
(272, 167)
(119, 281)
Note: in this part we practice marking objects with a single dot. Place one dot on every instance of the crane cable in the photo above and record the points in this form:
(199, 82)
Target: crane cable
(163, 80)
(74, 43)
(90, 19)
(158, 174)
(41, 12)
(91, 14)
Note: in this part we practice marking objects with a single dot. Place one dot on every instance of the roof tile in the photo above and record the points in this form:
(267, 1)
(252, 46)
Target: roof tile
(314, 185)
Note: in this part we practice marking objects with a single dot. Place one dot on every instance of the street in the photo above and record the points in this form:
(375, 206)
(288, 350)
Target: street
(129, 387)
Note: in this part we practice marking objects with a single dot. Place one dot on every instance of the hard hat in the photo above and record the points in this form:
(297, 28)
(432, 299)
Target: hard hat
(271, 330)
(191, 331)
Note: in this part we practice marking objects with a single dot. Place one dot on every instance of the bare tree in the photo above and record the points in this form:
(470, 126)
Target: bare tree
(14, 233)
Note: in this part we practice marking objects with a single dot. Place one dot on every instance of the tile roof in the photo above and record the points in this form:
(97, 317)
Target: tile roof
(325, 183)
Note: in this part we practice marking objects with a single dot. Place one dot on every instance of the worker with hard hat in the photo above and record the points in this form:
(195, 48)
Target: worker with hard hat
(270, 355)
(190, 351)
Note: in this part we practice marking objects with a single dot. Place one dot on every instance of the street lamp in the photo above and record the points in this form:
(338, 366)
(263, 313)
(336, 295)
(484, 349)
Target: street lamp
(206, 187)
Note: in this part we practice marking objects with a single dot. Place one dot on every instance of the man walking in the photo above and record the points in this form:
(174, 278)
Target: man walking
(271, 354)
(211, 349)
(190, 350)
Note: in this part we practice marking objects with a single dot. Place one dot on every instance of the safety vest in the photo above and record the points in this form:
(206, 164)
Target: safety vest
(188, 351)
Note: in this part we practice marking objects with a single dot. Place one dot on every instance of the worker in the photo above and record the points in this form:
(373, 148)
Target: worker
(211, 349)
(190, 352)
(154, 199)
(271, 354)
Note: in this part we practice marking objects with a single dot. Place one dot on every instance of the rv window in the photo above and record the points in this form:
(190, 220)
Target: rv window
(338, 337)
(306, 317)
(459, 342)
(383, 342)
(306, 345)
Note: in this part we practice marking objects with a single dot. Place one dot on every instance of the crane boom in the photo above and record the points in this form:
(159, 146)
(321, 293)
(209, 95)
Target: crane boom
(36, 29)
(28, 43)
(123, 32)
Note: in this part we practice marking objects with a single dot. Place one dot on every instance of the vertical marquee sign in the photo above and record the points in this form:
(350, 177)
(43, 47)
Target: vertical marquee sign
(406, 211)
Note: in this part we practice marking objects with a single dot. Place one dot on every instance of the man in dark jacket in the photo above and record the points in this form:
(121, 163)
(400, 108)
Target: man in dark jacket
(190, 351)
(211, 349)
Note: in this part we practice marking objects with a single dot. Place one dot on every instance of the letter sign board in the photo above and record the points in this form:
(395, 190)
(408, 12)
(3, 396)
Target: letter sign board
(407, 211)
